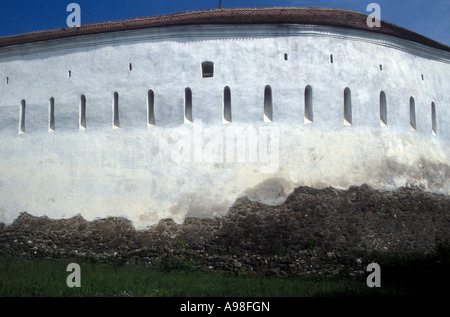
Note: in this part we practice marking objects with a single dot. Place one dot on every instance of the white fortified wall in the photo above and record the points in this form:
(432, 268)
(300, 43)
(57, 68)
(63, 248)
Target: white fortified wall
(104, 125)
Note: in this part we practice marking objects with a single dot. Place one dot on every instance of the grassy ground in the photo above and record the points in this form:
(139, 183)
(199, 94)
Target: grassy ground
(48, 278)
(36, 278)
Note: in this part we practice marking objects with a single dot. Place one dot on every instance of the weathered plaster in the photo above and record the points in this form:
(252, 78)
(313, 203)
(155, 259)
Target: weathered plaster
(177, 169)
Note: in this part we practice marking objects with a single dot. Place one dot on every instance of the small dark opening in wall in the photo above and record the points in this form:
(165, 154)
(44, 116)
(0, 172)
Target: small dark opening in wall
(188, 105)
(227, 105)
(308, 115)
(116, 123)
(83, 112)
(383, 109)
(268, 111)
(69, 74)
(130, 67)
(412, 113)
(207, 69)
(23, 105)
(7, 80)
(331, 58)
(422, 76)
(347, 107)
(433, 118)
(51, 115)
(151, 108)
(381, 67)
(285, 57)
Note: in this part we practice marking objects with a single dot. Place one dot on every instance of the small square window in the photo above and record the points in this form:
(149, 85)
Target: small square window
(207, 69)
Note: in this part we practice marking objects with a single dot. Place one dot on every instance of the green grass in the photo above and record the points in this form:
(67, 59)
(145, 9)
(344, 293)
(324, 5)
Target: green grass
(37, 278)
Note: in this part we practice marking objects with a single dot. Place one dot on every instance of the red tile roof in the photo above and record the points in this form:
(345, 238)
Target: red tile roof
(273, 15)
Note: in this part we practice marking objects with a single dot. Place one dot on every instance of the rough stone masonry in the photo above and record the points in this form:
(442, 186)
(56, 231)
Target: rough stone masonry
(315, 231)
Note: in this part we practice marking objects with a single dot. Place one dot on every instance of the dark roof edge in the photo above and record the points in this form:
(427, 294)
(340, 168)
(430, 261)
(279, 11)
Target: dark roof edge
(274, 15)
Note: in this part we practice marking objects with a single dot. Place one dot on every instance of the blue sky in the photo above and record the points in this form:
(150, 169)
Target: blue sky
(427, 17)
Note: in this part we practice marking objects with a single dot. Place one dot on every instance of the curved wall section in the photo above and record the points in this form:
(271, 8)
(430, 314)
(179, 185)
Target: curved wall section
(209, 114)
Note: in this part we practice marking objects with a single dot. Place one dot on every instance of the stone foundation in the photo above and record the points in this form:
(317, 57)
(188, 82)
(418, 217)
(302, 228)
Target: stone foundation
(315, 231)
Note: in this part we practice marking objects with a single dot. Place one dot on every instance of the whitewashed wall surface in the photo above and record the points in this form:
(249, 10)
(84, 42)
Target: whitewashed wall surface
(180, 121)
